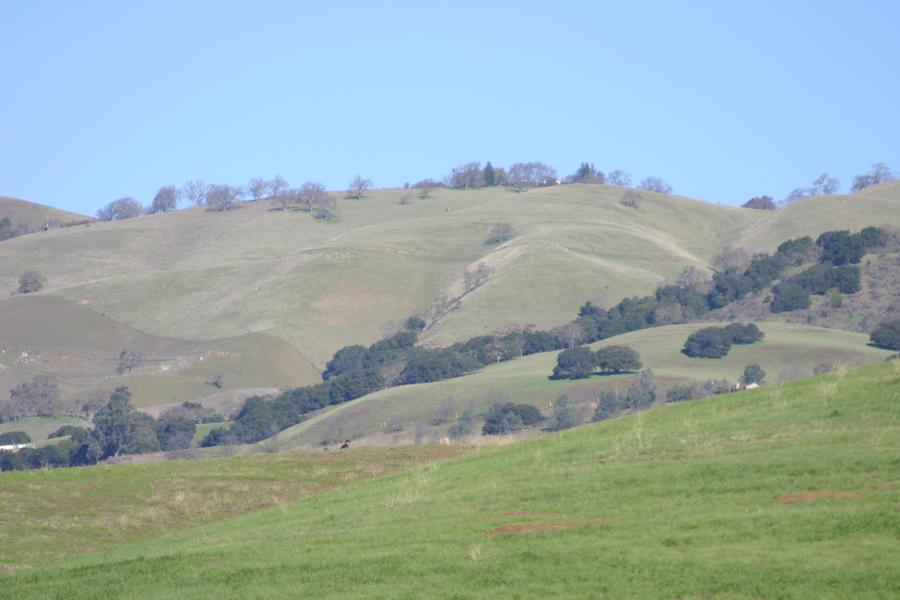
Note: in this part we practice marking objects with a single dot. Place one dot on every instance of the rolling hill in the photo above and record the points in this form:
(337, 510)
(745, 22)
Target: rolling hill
(36, 216)
(788, 351)
(200, 276)
(55, 336)
(787, 491)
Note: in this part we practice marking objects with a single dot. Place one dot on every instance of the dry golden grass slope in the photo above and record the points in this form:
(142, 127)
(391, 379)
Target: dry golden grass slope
(199, 275)
(34, 216)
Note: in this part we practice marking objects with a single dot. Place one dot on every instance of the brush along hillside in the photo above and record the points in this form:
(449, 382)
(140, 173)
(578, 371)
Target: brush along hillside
(197, 274)
(787, 491)
(787, 351)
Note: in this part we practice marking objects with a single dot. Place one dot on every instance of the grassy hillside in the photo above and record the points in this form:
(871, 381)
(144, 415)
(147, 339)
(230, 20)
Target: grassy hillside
(789, 491)
(787, 351)
(80, 347)
(66, 512)
(35, 216)
(201, 275)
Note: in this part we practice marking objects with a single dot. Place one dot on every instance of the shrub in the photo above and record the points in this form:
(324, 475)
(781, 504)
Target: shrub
(887, 335)
(753, 374)
(565, 414)
(681, 392)
(31, 281)
(77, 434)
(760, 203)
(508, 417)
(14, 437)
(642, 392)
(465, 426)
(500, 233)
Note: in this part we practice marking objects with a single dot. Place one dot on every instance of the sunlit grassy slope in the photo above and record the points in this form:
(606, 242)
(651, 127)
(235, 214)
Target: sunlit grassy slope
(195, 274)
(789, 491)
(787, 351)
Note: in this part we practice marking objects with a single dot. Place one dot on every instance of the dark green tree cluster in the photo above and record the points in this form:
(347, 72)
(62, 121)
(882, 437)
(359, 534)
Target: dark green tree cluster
(367, 369)
(262, 417)
(715, 342)
(14, 437)
(887, 335)
(581, 362)
(843, 247)
(508, 417)
(118, 430)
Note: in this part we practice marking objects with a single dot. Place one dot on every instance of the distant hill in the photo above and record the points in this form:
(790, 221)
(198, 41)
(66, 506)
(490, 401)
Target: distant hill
(36, 216)
(199, 275)
(55, 336)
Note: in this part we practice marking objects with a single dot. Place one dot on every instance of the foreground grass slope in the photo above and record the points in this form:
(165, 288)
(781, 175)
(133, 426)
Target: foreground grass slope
(789, 491)
(49, 515)
(195, 274)
(787, 351)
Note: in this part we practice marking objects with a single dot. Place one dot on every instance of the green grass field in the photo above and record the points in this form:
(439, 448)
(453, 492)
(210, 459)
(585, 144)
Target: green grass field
(787, 351)
(49, 515)
(790, 491)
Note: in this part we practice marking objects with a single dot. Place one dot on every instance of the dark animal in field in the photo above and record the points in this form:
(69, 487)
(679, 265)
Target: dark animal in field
(346, 444)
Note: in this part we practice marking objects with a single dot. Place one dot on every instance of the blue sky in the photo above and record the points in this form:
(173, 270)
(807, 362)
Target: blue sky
(724, 100)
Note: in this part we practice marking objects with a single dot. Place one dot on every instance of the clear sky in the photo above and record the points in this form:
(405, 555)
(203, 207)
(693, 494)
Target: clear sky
(724, 100)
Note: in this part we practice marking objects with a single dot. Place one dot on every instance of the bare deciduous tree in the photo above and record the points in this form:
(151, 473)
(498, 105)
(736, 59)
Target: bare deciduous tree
(324, 208)
(257, 188)
(312, 194)
(825, 185)
(880, 173)
(221, 197)
(618, 177)
(277, 186)
(123, 208)
(195, 192)
(425, 187)
(166, 199)
(730, 258)
(655, 184)
(531, 174)
(467, 176)
(358, 187)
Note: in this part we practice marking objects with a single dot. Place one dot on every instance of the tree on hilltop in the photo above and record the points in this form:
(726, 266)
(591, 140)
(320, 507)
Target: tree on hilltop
(166, 199)
(358, 187)
(118, 210)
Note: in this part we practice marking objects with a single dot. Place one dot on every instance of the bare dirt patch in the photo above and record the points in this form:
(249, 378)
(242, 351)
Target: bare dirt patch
(812, 496)
(544, 526)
